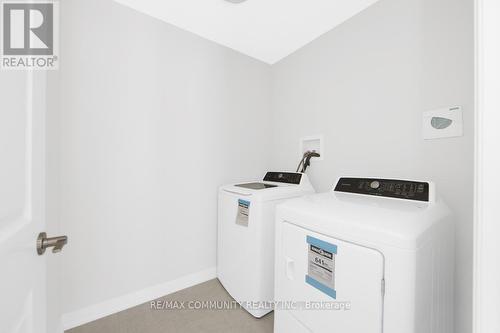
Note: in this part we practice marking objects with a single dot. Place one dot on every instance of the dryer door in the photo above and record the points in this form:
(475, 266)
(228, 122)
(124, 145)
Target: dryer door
(340, 283)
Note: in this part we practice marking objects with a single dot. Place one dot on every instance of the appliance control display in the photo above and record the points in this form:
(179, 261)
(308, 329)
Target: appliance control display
(392, 188)
(256, 186)
(283, 177)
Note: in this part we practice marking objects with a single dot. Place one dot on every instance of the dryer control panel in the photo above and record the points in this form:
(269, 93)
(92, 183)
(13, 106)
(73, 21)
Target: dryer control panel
(392, 188)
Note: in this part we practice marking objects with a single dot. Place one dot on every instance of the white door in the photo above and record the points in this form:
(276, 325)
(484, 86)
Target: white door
(22, 270)
(487, 227)
(342, 281)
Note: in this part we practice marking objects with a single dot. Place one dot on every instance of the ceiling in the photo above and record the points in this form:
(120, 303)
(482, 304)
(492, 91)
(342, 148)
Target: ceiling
(268, 30)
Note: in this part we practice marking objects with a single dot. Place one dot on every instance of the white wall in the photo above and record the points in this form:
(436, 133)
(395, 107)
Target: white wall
(365, 84)
(152, 121)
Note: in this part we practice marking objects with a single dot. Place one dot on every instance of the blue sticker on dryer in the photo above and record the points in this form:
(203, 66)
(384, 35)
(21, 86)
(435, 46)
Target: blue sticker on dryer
(321, 265)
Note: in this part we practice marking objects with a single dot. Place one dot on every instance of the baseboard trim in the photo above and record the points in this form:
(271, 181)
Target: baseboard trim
(114, 305)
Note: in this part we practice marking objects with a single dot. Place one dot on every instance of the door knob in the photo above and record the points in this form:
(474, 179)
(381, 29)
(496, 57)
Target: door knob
(57, 243)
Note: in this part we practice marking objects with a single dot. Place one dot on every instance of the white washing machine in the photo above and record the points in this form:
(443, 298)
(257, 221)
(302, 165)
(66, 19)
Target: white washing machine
(245, 243)
(372, 256)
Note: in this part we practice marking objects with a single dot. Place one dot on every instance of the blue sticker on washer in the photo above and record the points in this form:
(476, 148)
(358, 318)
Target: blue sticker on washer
(243, 212)
(321, 266)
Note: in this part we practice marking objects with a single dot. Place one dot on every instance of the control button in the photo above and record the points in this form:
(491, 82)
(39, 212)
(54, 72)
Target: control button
(375, 184)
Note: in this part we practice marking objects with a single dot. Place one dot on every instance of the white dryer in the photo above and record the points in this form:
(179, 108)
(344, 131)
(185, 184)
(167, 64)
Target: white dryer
(375, 255)
(245, 242)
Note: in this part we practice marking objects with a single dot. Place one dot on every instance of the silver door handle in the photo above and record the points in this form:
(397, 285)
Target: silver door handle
(42, 243)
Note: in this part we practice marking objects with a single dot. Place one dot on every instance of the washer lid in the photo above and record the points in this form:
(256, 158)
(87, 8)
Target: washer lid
(285, 186)
(256, 186)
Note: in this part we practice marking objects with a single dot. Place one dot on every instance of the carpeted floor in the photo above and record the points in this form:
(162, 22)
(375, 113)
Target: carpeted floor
(164, 319)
